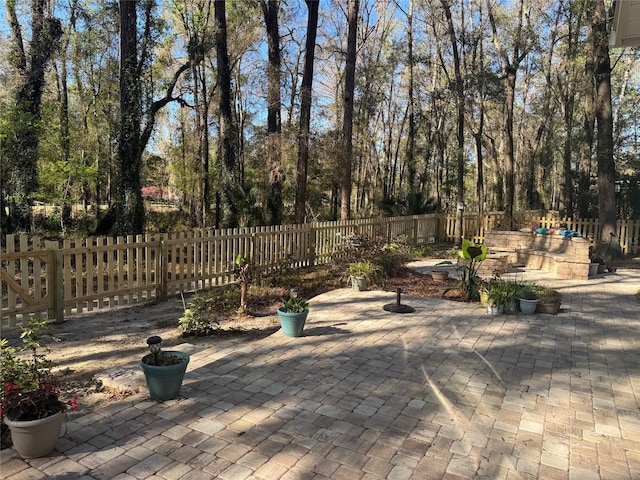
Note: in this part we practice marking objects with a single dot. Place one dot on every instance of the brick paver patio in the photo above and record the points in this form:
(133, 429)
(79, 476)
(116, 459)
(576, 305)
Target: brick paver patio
(447, 392)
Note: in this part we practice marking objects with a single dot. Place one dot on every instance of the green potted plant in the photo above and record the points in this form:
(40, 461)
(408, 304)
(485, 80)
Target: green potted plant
(30, 404)
(549, 301)
(293, 315)
(362, 274)
(502, 296)
(528, 298)
(495, 297)
(163, 371)
(510, 295)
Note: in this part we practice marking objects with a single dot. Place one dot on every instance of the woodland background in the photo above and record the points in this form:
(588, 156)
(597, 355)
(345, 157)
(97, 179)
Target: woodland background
(262, 112)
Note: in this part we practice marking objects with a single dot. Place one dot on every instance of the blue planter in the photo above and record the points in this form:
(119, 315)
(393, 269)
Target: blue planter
(292, 323)
(528, 307)
(164, 381)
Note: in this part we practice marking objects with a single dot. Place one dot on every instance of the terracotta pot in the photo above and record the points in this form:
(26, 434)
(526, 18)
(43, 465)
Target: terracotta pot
(35, 438)
(439, 275)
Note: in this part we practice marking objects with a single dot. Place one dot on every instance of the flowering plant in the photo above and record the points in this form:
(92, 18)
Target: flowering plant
(29, 390)
(39, 403)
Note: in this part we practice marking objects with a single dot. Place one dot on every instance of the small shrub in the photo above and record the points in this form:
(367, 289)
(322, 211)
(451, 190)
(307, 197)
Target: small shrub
(391, 262)
(424, 251)
(549, 295)
(199, 319)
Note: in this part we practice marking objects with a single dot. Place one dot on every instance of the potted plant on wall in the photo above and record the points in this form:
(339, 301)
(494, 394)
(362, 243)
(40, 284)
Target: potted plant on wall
(293, 315)
(362, 274)
(163, 371)
(30, 402)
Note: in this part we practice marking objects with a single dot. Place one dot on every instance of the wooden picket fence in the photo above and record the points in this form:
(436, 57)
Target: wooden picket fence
(51, 279)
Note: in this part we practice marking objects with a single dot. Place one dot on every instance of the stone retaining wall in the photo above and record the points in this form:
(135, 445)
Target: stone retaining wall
(563, 257)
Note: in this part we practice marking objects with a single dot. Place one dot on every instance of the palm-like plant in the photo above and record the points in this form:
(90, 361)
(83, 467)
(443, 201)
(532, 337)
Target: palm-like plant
(470, 256)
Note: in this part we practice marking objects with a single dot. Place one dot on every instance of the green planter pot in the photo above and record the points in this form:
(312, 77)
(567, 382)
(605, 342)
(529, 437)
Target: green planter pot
(292, 323)
(164, 381)
(35, 438)
(528, 307)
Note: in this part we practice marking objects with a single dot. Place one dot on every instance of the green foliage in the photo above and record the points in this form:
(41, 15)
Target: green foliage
(199, 318)
(529, 291)
(504, 292)
(295, 305)
(366, 269)
(549, 295)
(470, 257)
(424, 251)
(389, 257)
(29, 391)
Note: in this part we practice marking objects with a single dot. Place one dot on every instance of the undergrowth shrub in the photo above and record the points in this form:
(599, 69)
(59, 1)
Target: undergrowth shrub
(201, 317)
(389, 256)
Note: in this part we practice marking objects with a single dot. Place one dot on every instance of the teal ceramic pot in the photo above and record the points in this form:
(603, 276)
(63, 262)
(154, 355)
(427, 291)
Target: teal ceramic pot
(164, 382)
(528, 307)
(292, 323)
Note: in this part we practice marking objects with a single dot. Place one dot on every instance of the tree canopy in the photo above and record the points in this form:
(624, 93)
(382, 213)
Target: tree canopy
(264, 111)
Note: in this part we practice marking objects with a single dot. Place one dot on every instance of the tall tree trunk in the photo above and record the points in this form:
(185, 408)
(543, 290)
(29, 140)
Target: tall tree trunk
(411, 149)
(347, 125)
(65, 143)
(129, 207)
(508, 154)
(275, 172)
(227, 138)
(20, 148)
(459, 86)
(604, 148)
(511, 65)
(201, 201)
(305, 112)
(587, 140)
